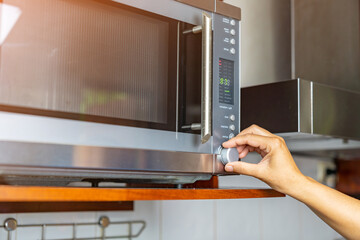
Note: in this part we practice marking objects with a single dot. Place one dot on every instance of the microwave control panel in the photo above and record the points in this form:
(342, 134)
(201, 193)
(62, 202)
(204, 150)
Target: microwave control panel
(226, 79)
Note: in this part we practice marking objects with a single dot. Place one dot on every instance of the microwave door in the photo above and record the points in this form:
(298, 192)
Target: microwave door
(103, 62)
(92, 60)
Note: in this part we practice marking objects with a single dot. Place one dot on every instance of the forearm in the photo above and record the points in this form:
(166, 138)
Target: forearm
(338, 210)
(278, 169)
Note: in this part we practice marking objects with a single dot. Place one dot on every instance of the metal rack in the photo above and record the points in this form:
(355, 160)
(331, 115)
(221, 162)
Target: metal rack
(11, 225)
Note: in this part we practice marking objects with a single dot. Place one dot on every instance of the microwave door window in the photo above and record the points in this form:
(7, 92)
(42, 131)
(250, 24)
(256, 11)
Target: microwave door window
(190, 79)
(90, 59)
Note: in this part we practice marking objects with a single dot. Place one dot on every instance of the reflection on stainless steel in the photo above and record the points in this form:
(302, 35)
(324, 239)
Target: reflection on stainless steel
(305, 106)
(206, 78)
(194, 126)
(70, 132)
(76, 163)
(64, 156)
(196, 29)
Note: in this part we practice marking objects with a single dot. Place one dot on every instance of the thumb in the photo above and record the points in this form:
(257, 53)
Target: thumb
(245, 168)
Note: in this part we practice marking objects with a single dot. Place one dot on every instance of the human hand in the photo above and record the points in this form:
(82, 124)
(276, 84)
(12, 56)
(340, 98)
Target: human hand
(277, 167)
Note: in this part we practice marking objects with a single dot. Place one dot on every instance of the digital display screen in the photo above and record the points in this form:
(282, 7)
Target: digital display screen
(226, 81)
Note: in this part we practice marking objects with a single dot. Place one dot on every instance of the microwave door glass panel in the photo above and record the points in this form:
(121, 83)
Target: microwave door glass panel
(190, 78)
(88, 57)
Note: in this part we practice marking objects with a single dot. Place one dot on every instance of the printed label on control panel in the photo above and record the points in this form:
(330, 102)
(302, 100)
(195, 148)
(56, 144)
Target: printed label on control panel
(226, 20)
(226, 79)
(226, 107)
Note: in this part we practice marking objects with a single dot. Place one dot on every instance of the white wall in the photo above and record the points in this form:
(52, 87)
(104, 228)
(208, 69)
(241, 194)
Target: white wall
(249, 219)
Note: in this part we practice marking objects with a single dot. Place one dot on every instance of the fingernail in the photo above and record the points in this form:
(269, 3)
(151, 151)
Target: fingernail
(229, 168)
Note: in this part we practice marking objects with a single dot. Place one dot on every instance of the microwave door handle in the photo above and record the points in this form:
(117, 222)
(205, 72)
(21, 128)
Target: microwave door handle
(206, 78)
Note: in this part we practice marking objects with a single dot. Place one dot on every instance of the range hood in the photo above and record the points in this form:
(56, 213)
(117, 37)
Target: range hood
(318, 112)
(314, 118)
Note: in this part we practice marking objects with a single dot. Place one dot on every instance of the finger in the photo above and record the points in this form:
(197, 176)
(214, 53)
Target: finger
(251, 149)
(258, 151)
(240, 148)
(256, 141)
(263, 154)
(255, 129)
(249, 169)
(244, 153)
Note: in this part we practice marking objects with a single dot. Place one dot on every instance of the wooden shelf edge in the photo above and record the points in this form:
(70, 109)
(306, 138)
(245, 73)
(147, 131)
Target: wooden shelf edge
(67, 194)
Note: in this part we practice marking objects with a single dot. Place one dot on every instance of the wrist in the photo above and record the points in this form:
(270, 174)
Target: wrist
(297, 186)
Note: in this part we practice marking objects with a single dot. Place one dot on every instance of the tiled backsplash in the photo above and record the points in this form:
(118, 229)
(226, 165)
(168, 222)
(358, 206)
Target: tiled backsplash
(249, 219)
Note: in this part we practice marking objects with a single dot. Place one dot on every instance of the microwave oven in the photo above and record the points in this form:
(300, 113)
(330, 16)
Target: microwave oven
(100, 90)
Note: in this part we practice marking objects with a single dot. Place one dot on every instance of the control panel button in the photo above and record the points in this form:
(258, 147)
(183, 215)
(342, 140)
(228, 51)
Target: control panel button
(232, 32)
(232, 127)
(232, 22)
(228, 155)
(232, 51)
(232, 41)
(231, 135)
(232, 118)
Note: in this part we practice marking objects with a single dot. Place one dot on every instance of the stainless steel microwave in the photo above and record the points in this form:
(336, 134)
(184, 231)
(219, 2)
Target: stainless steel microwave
(117, 90)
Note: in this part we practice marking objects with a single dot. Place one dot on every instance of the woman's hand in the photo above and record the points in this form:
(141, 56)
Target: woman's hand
(277, 167)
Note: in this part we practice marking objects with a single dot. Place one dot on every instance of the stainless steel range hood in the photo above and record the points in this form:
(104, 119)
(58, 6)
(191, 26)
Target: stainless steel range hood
(302, 107)
(321, 114)
(312, 117)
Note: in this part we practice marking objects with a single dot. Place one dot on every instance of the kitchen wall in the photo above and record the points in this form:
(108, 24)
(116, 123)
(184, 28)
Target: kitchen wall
(249, 219)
